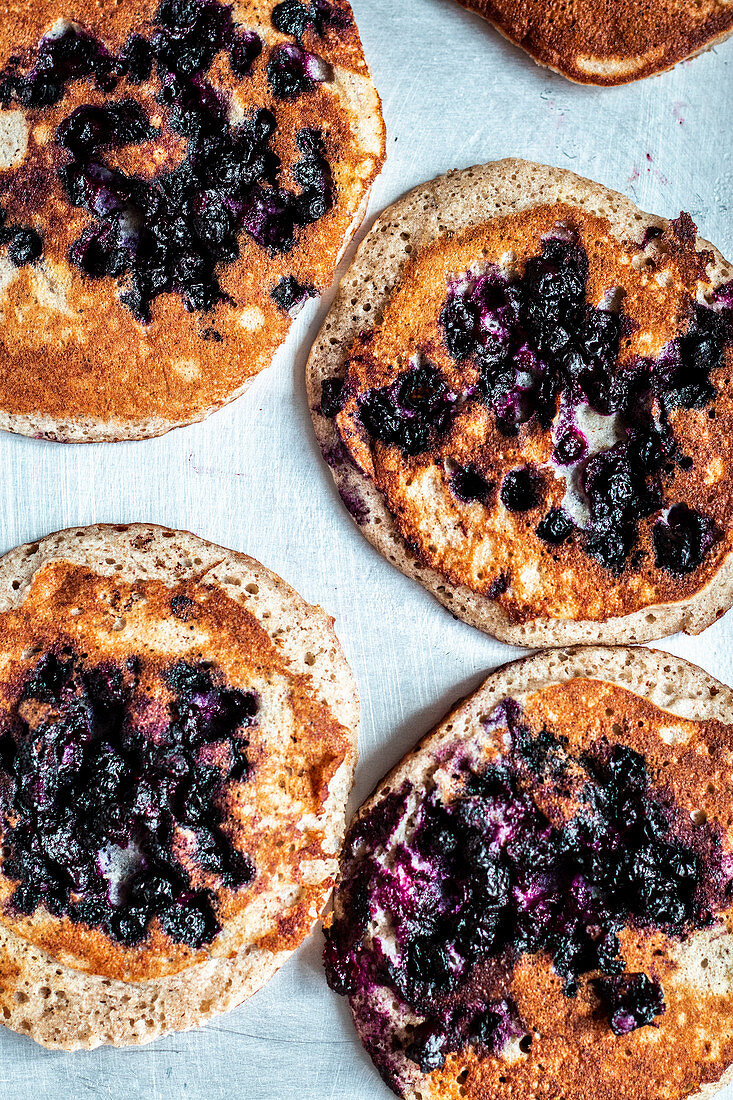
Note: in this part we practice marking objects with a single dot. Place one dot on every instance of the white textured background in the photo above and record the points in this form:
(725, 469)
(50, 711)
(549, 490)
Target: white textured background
(454, 94)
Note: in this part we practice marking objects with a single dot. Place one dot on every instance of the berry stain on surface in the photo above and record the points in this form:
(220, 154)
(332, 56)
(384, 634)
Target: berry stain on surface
(177, 230)
(113, 811)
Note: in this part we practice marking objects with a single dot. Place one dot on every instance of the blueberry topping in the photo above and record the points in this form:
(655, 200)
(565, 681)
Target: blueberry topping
(94, 799)
(25, 246)
(469, 484)
(289, 293)
(411, 412)
(619, 492)
(88, 128)
(631, 1000)
(136, 59)
(570, 447)
(539, 347)
(485, 875)
(556, 527)
(520, 490)
(294, 17)
(682, 541)
(244, 51)
(293, 71)
(333, 396)
(175, 230)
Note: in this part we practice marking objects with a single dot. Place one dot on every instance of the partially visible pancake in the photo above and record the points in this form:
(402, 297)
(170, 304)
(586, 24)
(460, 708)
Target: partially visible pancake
(177, 177)
(178, 736)
(523, 390)
(536, 902)
(609, 41)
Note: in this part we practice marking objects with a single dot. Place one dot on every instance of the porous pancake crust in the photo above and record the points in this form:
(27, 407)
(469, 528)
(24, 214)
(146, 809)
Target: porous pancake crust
(439, 507)
(75, 363)
(679, 720)
(153, 600)
(602, 42)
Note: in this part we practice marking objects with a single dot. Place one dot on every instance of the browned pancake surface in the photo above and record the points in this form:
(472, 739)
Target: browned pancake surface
(609, 41)
(74, 361)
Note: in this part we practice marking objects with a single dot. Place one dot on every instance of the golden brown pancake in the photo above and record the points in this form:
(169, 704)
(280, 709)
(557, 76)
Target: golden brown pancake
(523, 392)
(178, 739)
(609, 41)
(177, 178)
(537, 902)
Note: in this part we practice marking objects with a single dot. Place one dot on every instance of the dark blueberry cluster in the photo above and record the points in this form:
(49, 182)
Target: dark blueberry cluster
(71, 54)
(535, 339)
(294, 17)
(290, 294)
(488, 876)
(97, 799)
(174, 232)
(631, 1001)
(411, 412)
(292, 70)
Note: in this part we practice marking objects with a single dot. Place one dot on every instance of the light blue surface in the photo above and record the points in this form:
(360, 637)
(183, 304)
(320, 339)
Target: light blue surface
(454, 93)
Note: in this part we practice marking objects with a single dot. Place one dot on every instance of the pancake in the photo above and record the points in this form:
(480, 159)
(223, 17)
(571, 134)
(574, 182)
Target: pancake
(177, 178)
(523, 392)
(536, 902)
(609, 41)
(178, 742)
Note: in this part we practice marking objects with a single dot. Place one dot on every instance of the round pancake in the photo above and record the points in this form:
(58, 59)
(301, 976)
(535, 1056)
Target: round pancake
(523, 392)
(178, 742)
(177, 177)
(595, 42)
(536, 902)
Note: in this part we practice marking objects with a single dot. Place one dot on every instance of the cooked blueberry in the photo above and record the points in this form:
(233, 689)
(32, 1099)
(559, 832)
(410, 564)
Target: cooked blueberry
(25, 246)
(520, 490)
(682, 542)
(136, 59)
(556, 527)
(460, 319)
(192, 923)
(182, 607)
(292, 17)
(292, 71)
(570, 447)
(469, 484)
(86, 128)
(428, 1051)
(244, 51)
(411, 412)
(333, 396)
(632, 1001)
(37, 91)
(290, 293)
